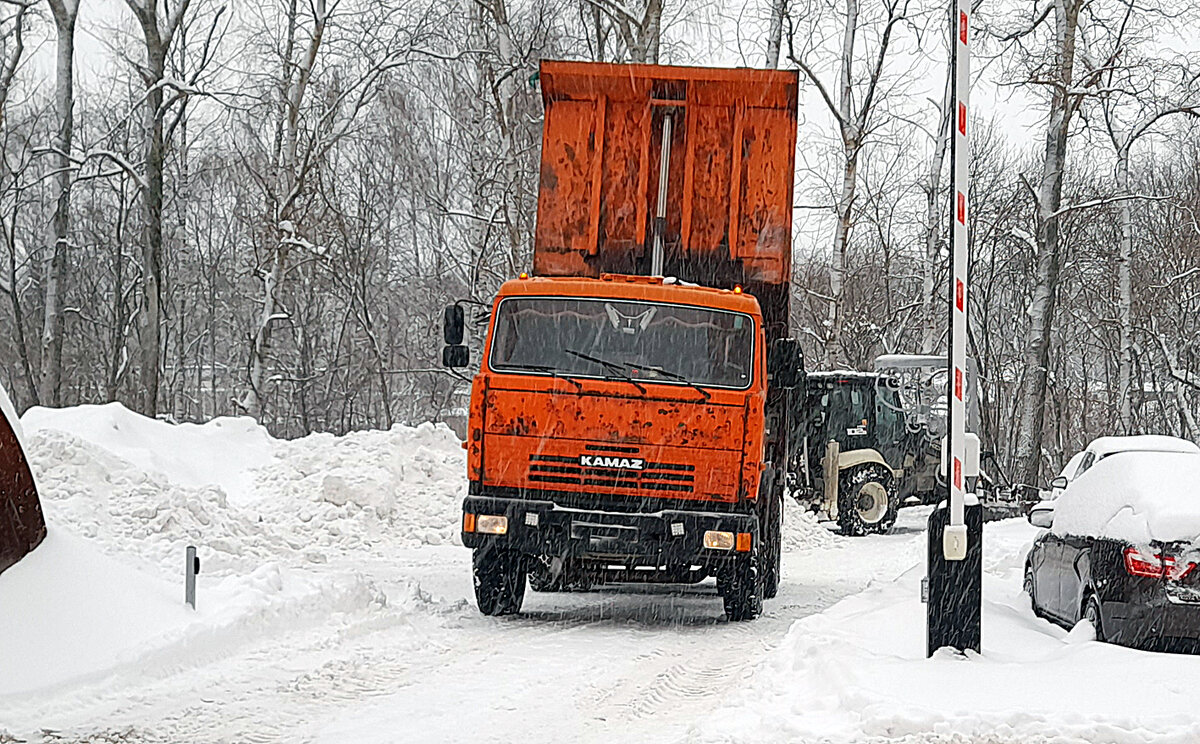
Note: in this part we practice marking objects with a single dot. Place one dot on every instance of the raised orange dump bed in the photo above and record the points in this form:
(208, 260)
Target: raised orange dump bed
(728, 217)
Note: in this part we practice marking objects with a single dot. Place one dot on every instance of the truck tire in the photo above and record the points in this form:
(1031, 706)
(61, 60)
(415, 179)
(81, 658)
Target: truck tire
(743, 590)
(542, 577)
(772, 543)
(499, 580)
(867, 503)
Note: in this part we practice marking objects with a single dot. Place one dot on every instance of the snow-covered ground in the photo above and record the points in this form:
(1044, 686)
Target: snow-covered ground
(335, 606)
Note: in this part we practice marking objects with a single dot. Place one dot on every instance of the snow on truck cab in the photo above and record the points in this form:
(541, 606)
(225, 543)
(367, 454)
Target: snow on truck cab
(624, 426)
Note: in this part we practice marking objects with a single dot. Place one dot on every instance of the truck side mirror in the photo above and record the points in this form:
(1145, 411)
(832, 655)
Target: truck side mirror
(453, 322)
(455, 356)
(785, 363)
(1059, 482)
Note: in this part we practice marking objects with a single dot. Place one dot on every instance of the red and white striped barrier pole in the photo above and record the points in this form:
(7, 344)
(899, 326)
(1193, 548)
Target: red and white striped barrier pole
(953, 587)
(957, 423)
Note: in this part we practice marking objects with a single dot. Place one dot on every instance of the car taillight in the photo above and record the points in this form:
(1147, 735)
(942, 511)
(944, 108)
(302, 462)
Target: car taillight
(1155, 565)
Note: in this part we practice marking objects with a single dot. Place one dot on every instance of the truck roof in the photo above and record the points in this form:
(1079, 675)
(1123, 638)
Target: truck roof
(629, 287)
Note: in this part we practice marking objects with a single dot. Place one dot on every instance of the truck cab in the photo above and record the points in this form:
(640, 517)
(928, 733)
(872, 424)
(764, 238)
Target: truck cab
(615, 435)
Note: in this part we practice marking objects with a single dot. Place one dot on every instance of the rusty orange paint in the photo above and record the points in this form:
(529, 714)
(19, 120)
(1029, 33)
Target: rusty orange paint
(730, 170)
(537, 427)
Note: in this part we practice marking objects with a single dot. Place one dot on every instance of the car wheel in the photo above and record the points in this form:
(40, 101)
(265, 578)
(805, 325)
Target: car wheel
(1091, 613)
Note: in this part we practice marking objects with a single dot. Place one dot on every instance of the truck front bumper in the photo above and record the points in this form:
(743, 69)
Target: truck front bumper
(671, 537)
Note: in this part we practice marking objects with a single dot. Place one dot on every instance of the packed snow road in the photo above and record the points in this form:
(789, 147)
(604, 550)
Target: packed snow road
(334, 606)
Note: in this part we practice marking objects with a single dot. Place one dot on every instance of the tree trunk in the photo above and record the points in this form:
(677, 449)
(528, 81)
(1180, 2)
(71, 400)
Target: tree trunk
(49, 382)
(1036, 354)
(152, 234)
(775, 31)
(1125, 300)
(834, 351)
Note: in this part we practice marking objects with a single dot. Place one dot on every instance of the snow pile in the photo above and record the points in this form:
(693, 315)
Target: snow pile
(802, 530)
(1134, 496)
(151, 488)
(125, 509)
(366, 491)
(857, 672)
(223, 452)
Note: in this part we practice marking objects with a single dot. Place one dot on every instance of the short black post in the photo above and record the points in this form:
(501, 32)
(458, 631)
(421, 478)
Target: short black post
(955, 588)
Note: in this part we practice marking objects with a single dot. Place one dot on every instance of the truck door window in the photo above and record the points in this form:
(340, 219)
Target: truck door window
(653, 341)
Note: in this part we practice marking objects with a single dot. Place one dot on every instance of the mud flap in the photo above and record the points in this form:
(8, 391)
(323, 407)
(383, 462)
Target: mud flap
(22, 526)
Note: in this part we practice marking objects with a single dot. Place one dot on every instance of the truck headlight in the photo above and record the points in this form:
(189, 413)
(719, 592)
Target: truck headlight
(718, 540)
(491, 524)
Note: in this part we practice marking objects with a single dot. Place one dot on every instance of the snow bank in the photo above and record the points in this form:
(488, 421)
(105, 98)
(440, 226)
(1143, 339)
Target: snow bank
(802, 530)
(1134, 496)
(124, 495)
(71, 614)
(223, 452)
(366, 491)
(858, 672)
(136, 485)
(125, 509)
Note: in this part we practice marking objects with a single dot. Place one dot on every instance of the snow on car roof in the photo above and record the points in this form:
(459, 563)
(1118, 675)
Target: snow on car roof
(1138, 497)
(1105, 446)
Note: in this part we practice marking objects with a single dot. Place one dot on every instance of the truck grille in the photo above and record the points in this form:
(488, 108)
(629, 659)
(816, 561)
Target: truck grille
(653, 477)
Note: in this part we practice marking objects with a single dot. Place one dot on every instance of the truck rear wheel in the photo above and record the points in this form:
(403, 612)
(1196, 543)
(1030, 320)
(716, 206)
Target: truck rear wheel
(772, 545)
(499, 580)
(743, 589)
(867, 503)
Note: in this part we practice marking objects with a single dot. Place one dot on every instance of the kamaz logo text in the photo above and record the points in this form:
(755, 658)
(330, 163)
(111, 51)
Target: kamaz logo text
(623, 463)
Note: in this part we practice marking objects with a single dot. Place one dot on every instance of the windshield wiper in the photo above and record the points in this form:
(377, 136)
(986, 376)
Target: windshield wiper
(676, 376)
(619, 369)
(545, 369)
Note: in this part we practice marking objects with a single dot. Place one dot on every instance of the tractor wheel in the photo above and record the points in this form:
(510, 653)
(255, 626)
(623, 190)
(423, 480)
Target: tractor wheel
(499, 581)
(772, 545)
(867, 503)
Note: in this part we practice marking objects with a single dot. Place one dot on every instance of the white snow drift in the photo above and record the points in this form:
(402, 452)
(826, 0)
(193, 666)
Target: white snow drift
(857, 672)
(124, 495)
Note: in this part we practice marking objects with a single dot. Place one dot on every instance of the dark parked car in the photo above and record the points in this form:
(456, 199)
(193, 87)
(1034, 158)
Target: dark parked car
(1120, 549)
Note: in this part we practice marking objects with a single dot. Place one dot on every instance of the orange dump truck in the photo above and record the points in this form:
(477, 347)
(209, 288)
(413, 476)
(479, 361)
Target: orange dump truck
(628, 419)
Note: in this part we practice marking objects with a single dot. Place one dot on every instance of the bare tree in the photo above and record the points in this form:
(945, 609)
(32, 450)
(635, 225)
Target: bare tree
(158, 25)
(640, 30)
(853, 106)
(1140, 91)
(65, 13)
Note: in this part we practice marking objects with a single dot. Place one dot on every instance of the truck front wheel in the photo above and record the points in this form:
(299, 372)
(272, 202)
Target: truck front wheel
(867, 502)
(499, 580)
(742, 589)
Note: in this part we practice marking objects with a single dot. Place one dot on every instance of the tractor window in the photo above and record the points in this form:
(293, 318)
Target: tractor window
(890, 418)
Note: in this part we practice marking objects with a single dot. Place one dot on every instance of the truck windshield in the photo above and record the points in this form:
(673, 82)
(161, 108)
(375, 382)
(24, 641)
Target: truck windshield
(656, 342)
